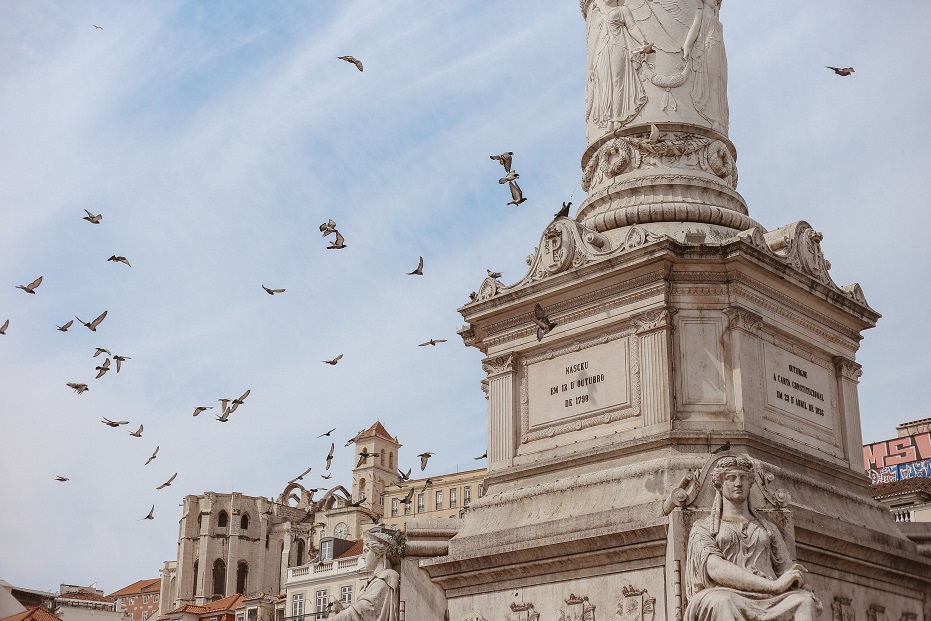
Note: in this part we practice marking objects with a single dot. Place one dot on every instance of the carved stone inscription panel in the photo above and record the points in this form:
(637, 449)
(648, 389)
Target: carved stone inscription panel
(797, 386)
(580, 383)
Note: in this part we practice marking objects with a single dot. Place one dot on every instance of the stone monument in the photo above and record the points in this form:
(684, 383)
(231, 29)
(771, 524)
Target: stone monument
(682, 440)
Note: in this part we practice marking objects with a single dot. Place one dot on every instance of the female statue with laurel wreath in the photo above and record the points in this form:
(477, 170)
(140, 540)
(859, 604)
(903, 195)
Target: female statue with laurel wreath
(378, 600)
(704, 47)
(737, 564)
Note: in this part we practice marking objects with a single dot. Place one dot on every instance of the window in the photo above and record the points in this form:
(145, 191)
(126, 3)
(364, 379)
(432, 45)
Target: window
(407, 508)
(345, 594)
(239, 616)
(242, 576)
(222, 520)
(382, 461)
(321, 600)
(155, 598)
(452, 498)
(419, 503)
(193, 584)
(297, 605)
(439, 499)
(300, 552)
(251, 615)
(481, 490)
(145, 599)
(219, 578)
(145, 616)
(395, 505)
(244, 522)
(391, 461)
(322, 534)
(326, 550)
(466, 495)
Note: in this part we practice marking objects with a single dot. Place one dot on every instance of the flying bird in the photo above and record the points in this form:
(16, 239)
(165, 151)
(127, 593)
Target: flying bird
(6, 324)
(203, 408)
(364, 457)
(423, 460)
(120, 359)
(333, 361)
(339, 244)
(97, 27)
(516, 194)
(326, 476)
(225, 417)
(328, 227)
(357, 503)
(152, 456)
(224, 405)
(240, 400)
(31, 287)
(428, 483)
(352, 59)
(419, 270)
(432, 342)
(101, 350)
(405, 477)
(329, 457)
(168, 482)
(483, 455)
(300, 477)
(511, 176)
(544, 325)
(327, 434)
(841, 71)
(564, 212)
(92, 218)
(492, 274)
(113, 423)
(505, 159)
(151, 515)
(92, 325)
(65, 327)
(272, 291)
(353, 438)
(137, 433)
(119, 259)
(410, 494)
(62, 479)
(723, 448)
(78, 388)
(103, 368)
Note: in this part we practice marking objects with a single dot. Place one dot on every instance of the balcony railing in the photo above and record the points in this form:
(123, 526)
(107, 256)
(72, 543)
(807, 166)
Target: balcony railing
(902, 515)
(329, 568)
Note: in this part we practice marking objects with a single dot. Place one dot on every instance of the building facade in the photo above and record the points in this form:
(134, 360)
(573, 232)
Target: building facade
(139, 601)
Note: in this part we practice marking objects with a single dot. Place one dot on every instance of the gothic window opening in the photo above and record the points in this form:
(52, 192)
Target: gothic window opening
(219, 578)
(223, 520)
(242, 577)
(244, 522)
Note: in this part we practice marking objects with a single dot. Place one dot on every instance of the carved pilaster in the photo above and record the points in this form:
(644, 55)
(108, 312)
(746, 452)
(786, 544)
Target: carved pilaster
(653, 344)
(658, 319)
(847, 369)
(503, 416)
(742, 319)
(468, 335)
(745, 328)
(848, 373)
(499, 365)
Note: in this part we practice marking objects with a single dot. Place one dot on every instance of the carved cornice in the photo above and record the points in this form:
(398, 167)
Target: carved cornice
(848, 369)
(499, 365)
(485, 388)
(651, 320)
(468, 335)
(742, 319)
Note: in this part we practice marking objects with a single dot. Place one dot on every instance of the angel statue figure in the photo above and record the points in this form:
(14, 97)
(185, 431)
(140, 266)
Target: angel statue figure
(378, 600)
(737, 564)
(614, 91)
(704, 48)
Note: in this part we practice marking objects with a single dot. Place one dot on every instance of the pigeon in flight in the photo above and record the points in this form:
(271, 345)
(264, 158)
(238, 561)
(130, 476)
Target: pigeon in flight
(92, 218)
(272, 291)
(491, 274)
(364, 457)
(329, 457)
(151, 457)
(326, 476)
(432, 342)
(203, 408)
(483, 455)
(419, 270)
(113, 423)
(31, 287)
(407, 499)
(168, 482)
(101, 350)
(300, 477)
(120, 359)
(516, 194)
(225, 417)
(6, 324)
(78, 388)
(328, 227)
(65, 327)
(357, 503)
(61, 478)
(353, 438)
(137, 433)
(564, 212)
(511, 176)
(723, 448)
(103, 368)
(151, 515)
(544, 325)
(841, 71)
(505, 159)
(423, 460)
(92, 325)
(352, 59)
(327, 434)
(428, 483)
(119, 259)
(97, 27)
(333, 361)
(339, 244)
(240, 400)
(405, 477)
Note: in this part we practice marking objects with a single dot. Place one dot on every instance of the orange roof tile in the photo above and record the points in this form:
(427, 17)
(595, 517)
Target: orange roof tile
(32, 613)
(355, 550)
(377, 430)
(229, 602)
(901, 487)
(141, 586)
(86, 596)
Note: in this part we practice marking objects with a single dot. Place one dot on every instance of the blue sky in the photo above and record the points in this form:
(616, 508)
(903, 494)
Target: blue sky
(216, 137)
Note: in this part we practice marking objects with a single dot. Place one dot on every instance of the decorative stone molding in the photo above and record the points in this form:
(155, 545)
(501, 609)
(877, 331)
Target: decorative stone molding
(848, 369)
(841, 610)
(684, 494)
(635, 605)
(742, 319)
(754, 237)
(484, 383)
(499, 365)
(876, 613)
(468, 335)
(522, 612)
(577, 609)
(653, 320)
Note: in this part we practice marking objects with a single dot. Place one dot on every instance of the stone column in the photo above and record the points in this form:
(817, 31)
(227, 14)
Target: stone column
(746, 356)
(653, 330)
(848, 402)
(503, 413)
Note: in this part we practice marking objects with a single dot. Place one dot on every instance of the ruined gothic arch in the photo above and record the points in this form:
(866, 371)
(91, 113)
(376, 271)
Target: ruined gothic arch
(334, 497)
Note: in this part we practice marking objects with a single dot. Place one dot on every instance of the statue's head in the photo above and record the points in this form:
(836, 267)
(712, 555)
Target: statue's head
(732, 478)
(730, 464)
(375, 546)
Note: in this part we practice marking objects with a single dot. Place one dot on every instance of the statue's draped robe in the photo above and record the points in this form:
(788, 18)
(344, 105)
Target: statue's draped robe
(757, 547)
(378, 601)
(709, 64)
(617, 93)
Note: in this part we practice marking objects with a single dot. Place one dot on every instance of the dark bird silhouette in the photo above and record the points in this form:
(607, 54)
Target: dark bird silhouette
(491, 274)
(329, 457)
(357, 503)
(544, 325)
(119, 259)
(352, 59)
(432, 342)
(97, 27)
(6, 324)
(92, 325)
(353, 438)
(407, 476)
(723, 448)
(429, 483)
(327, 433)
(240, 400)
(225, 416)
(137, 433)
(328, 227)
(224, 405)
(102, 369)
(168, 482)
(92, 218)
(564, 212)
(419, 270)
(333, 361)
(272, 291)
(516, 195)
(65, 327)
(62, 479)
(483, 455)
(100, 350)
(31, 287)
(120, 360)
(326, 476)
(78, 388)
(511, 176)
(339, 244)
(423, 460)
(841, 71)
(113, 423)
(473, 295)
(300, 477)
(154, 454)
(410, 494)
(364, 457)
(202, 408)
(151, 515)
(504, 159)
(269, 511)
